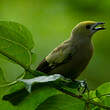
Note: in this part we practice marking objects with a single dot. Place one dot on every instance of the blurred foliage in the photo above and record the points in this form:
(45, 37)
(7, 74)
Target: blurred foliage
(51, 22)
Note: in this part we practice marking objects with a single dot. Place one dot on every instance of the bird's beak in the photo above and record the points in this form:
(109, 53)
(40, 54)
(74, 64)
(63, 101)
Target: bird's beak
(98, 26)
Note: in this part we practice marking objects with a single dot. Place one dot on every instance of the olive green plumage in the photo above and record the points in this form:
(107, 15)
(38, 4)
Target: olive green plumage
(72, 56)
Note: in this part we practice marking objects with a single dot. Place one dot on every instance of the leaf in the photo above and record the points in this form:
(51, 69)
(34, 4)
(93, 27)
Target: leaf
(16, 32)
(104, 89)
(62, 102)
(16, 42)
(8, 90)
(6, 106)
(26, 101)
(9, 72)
(106, 100)
(37, 97)
(92, 107)
(103, 93)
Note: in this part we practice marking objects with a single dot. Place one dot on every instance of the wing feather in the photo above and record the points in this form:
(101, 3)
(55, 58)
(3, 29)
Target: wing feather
(58, 56)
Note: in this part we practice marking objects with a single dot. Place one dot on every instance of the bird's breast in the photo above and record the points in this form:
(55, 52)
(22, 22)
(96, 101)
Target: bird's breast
(81, 59)
(82, 56)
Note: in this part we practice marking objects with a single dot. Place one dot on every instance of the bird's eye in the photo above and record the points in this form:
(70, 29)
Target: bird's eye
(88, 27)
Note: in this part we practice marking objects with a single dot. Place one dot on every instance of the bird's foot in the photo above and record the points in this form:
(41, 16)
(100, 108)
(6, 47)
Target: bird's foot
(82, 86)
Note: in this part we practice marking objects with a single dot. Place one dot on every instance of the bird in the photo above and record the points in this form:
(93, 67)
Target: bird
(72, 56)
(69, 59)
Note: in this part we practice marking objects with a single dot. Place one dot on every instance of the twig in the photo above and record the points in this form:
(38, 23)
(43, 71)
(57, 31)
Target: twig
(81, 98)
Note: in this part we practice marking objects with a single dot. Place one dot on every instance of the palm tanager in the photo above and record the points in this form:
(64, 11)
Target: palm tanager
(72, 56)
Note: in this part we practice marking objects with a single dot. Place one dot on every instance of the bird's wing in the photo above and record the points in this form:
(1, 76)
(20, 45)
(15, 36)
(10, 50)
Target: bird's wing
(59, 55)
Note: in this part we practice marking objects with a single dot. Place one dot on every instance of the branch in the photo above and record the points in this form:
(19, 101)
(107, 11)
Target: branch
(81, 98)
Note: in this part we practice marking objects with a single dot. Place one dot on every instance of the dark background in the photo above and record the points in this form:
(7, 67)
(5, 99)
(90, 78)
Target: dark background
(51, 21)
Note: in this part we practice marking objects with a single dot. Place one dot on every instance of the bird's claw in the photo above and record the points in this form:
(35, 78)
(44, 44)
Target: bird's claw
(82, 86)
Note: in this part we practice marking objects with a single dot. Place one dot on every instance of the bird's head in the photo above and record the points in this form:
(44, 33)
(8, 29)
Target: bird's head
(87, 28)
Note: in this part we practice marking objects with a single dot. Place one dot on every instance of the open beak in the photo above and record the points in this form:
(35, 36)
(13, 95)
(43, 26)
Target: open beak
(98, 26)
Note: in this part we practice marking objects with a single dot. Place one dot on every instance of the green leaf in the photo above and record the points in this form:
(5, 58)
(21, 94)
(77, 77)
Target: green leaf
(92, 107)
(33, 100)
(106, 100)
(37, 97)
(9, 72)
(16, 32)
(16, 42)
(104, 89)
(62, 102)
(103, 93)
(6, 106)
